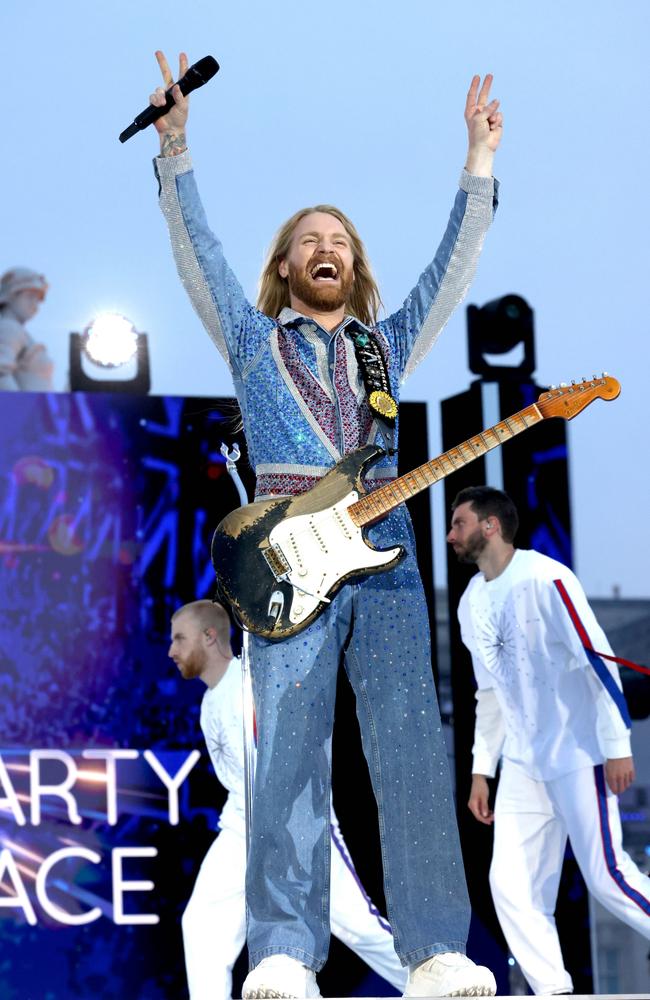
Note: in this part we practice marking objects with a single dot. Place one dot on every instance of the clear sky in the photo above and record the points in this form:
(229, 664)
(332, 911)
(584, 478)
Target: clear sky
(359, 104)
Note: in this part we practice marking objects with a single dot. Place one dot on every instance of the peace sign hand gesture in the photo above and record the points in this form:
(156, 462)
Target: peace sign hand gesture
(484, 127)
(171, 127)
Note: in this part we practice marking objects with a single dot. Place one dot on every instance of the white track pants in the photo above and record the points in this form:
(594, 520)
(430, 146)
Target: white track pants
(214, 921)
(532, 821)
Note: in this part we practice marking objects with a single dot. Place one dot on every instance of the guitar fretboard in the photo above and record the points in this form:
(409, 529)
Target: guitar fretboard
(380, 502)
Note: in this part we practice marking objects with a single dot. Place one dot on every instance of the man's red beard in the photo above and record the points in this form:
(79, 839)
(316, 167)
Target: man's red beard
(323, 296)
(192, 665)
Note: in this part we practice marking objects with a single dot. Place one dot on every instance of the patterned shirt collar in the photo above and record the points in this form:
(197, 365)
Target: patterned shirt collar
(289, 317)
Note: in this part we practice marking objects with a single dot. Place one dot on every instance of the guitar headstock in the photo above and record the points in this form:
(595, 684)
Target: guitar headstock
(568, 400)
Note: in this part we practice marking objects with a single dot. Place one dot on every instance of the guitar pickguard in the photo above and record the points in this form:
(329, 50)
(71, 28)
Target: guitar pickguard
(321, 549)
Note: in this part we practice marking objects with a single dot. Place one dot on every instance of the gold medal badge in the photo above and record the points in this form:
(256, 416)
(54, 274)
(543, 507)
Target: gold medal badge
(383, 404)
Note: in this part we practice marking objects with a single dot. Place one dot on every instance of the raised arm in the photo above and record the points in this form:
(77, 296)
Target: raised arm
(414, 328)
(233, 323)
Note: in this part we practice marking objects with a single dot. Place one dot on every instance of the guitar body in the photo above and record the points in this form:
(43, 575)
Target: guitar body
(280, 561)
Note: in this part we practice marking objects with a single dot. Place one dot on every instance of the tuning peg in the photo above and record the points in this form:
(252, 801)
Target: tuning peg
(594, 377)
(553, 387)
(563, 385)
(605, 375)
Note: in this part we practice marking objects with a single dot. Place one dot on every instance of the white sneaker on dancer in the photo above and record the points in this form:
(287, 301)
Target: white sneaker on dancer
(280, 976)
(450, 974)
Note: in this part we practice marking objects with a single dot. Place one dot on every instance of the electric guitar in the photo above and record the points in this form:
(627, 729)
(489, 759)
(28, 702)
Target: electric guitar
(280, 561)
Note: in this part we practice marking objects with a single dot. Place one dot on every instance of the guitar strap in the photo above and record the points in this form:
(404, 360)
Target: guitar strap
(374, 373)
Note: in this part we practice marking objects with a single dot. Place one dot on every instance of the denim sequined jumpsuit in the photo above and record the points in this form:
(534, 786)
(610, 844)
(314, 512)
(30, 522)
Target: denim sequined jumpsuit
(304, 407)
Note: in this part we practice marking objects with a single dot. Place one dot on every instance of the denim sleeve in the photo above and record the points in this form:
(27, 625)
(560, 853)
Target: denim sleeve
(413, 329)
(235, 326)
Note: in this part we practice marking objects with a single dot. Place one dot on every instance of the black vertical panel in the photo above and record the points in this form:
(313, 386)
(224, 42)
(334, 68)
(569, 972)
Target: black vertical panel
(535, 475)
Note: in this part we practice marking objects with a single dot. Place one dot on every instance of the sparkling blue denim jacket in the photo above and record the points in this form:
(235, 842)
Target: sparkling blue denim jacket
(302, 398)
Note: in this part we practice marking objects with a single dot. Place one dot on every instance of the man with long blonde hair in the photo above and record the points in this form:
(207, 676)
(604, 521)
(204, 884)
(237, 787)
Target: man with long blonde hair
(360, 296)
(309, 396)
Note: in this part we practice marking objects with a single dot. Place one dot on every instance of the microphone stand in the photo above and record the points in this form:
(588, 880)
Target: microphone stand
(231, 458)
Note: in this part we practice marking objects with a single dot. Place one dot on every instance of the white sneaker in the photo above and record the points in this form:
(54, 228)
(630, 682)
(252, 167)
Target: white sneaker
(450, 974)
(280, 976)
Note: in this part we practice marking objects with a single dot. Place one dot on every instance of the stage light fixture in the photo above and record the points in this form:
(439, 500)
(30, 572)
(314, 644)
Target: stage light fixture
(109, 342)
(503, 326)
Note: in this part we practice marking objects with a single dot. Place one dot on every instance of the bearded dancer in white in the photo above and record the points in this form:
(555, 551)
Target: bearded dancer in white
(555, 715)
(214, 922)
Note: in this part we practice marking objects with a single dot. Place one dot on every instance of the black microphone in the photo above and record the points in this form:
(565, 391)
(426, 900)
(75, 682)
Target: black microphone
(196, 76)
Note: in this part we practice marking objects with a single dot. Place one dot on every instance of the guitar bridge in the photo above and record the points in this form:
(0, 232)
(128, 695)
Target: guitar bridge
(276, 561)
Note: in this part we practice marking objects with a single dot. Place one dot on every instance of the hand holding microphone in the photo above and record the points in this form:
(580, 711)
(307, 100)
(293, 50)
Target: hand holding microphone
(168, 109)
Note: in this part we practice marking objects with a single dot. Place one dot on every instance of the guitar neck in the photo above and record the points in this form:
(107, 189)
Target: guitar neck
(380, 502)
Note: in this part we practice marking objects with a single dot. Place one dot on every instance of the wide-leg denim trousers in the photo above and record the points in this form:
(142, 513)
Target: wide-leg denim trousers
(379, 627)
